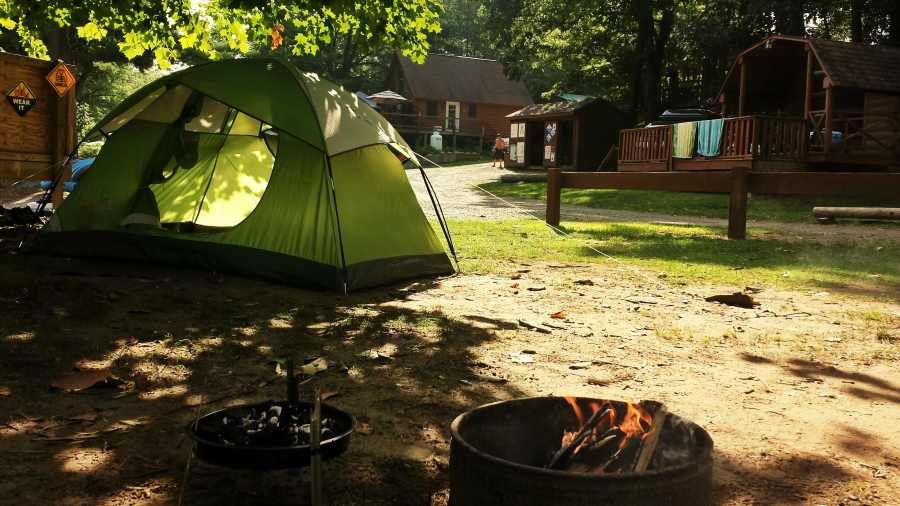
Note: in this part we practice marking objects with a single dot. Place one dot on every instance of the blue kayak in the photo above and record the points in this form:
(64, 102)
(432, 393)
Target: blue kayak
(79, 168)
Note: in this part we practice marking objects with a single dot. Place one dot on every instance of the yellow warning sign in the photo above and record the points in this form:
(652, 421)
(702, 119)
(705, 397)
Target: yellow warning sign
(21, 98)
(61, 79)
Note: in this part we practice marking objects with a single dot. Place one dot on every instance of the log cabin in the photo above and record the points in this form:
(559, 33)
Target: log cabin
(465, 99)
(792, 104)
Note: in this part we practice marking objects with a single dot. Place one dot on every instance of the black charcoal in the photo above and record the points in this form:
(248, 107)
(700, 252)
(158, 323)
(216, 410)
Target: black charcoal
(264, 425)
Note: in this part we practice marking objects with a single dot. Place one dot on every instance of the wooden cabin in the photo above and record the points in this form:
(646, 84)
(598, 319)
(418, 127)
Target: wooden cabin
(465, 99)
(573, 134)
(793, 105)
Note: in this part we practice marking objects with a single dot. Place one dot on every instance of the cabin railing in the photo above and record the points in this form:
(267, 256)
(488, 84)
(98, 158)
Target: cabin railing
(646, 145)
(743, 138)
(781, 138)
(446, 125)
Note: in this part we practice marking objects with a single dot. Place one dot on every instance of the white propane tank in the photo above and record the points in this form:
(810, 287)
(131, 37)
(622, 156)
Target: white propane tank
(437, 141)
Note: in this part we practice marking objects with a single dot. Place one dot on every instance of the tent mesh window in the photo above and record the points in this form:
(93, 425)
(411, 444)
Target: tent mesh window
(223, 173)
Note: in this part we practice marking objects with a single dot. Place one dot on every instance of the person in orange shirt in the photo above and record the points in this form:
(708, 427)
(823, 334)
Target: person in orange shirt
(498, 151)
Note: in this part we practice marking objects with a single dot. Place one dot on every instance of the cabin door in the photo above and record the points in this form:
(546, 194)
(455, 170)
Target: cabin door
(452, 116)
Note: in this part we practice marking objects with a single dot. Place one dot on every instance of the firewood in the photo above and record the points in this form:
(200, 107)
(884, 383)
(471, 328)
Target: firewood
(649, 442)
(565, 453)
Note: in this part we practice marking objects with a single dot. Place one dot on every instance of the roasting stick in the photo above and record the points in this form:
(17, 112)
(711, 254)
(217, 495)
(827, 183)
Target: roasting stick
(187, 467)
(649, 443)
(315, 434)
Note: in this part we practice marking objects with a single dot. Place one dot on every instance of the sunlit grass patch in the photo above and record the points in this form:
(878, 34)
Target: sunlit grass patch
(688, 255)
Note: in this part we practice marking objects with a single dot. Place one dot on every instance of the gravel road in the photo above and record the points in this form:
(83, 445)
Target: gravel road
(460, 200)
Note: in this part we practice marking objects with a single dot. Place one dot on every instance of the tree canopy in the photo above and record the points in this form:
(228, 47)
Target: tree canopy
(166, 28)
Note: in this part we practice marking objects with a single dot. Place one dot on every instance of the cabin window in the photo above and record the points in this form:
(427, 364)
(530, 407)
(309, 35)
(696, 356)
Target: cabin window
(431, 108)
(473, 110)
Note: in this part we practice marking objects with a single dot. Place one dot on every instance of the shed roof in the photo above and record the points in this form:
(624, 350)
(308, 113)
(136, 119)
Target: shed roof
(462, 79)
(563, 108)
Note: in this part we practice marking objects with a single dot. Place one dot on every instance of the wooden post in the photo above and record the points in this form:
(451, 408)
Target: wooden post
(829, 117)
(63, 139)
(554, 180)
(743, 91)
(737, 206)
(809, 82)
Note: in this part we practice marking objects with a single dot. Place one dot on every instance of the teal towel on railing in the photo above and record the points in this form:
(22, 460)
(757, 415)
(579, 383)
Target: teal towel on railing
(683, 136)
(709, 138)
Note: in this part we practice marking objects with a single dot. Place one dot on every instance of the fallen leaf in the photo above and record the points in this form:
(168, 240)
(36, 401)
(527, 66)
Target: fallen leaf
(559, 314)
(248, 389)
(87, 417)
(327, 395)
(87, 379)
(5, 391)
(308, 369)
(365, 429)
(370, 354)
(880, 248)
(584, 282)
(320, 364)
(536, 288)
(515, 276)
(597, 382)
(580, 365)
(278, 368)
(269, 360)
(343, 368)
(514, 285)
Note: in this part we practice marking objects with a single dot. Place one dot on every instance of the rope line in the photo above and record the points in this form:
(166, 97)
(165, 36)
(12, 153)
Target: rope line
(563, 232)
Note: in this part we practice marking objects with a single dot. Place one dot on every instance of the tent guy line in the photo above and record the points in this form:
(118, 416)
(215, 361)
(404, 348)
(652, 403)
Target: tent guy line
(558, 230)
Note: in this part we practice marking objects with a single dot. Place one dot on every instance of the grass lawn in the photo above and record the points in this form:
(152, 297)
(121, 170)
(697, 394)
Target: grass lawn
(689, 255)
(790, 209)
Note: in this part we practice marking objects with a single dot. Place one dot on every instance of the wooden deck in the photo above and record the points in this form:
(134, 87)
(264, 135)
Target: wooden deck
(446, 125)
(767, 143)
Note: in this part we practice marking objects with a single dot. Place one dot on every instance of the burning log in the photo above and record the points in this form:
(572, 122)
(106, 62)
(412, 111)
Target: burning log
(565, 453)
(627, 441)
(649, 442)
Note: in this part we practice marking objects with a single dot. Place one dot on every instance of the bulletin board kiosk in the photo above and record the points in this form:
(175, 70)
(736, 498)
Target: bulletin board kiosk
(576, 134)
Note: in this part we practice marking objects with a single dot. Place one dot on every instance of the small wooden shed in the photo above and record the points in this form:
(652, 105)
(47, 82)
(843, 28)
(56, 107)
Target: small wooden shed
(38, 118)
(576, 134)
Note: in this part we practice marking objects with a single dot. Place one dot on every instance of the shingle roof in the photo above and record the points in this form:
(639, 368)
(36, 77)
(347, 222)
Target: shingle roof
(862, 66)
(551, 108)
(462, 79)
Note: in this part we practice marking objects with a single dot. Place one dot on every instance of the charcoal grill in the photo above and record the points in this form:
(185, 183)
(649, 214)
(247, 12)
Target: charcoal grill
(249, 457)
(498, 453)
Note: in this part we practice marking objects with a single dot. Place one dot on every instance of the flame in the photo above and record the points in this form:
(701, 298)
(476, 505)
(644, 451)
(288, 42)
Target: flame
(600, 428)
(631, 424)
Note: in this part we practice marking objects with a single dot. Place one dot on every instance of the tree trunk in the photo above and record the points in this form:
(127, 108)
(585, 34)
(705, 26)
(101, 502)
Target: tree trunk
(856, 30)
(655, 49)
(58, 46)
(893, 38)
(637, 71)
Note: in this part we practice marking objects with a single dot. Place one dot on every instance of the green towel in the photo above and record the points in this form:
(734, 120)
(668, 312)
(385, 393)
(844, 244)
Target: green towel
(683, 139)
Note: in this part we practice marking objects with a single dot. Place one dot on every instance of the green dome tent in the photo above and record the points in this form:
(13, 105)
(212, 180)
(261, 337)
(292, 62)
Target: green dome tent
(253, 167)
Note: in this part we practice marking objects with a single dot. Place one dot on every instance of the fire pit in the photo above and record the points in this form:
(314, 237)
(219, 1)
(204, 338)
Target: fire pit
(544, 451)
(268, 455)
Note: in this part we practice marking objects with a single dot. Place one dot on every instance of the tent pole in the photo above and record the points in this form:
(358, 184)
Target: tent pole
(337, 219)
(46, 197)
(439, 212)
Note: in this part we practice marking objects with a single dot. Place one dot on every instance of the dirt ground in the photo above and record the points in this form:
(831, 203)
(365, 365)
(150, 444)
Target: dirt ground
(800, 394)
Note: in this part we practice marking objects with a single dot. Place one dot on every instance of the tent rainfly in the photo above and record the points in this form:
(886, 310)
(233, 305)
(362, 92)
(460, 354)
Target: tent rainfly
(252, 167)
